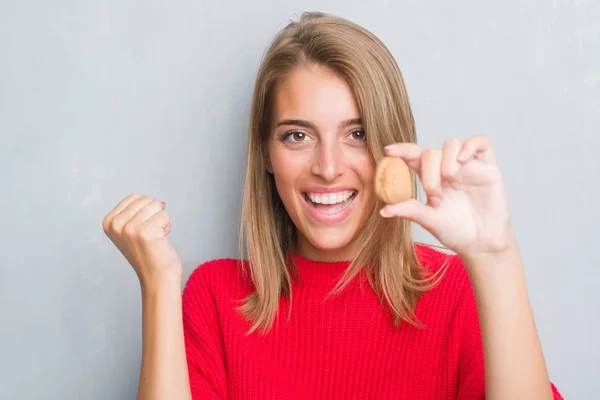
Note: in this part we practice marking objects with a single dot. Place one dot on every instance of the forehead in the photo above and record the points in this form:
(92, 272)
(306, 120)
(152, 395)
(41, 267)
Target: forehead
(316, 94)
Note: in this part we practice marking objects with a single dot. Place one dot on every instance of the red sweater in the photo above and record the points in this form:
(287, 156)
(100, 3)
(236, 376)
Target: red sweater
(345, 347)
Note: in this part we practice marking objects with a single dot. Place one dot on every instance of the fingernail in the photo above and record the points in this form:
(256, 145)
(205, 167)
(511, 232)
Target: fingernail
(384, 213)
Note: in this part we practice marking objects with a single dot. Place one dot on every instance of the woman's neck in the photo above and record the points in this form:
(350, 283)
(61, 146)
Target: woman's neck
(308, 251)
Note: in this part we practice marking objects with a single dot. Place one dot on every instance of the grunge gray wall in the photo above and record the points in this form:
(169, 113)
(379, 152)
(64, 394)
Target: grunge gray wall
(101, 99)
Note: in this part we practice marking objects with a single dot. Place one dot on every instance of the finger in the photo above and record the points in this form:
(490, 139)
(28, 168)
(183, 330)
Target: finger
(479, 147)
(409, 152)
(413, 210)
(146, 213)
(121, 220)
(135, 206)
(450, 165)
(431, 165)
(121, 206)
(157, 224)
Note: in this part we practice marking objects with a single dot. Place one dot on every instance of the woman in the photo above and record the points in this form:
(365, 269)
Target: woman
(335, 300)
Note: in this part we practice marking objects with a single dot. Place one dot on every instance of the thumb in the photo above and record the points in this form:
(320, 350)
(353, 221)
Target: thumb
(168, 226)
(413, 210)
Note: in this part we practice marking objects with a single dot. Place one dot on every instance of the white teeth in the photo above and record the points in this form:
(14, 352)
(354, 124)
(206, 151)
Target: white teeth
(330, 198)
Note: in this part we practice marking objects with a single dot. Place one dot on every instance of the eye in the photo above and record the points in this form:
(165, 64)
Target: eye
(293, 137)
(359, 135)
(298, 136)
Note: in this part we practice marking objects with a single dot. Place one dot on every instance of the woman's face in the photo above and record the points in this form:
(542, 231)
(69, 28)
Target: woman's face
(319, 158)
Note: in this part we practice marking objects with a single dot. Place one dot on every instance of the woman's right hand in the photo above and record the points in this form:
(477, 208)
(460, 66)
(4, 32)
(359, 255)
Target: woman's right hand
(139, 226)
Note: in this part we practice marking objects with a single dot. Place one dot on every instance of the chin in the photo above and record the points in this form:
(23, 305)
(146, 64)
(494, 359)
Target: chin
(330, 245)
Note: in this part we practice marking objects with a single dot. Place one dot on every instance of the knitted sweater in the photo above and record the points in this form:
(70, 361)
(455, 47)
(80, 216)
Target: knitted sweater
(343, 347)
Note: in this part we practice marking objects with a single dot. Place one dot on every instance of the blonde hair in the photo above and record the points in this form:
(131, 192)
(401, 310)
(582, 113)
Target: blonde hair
(387, 252)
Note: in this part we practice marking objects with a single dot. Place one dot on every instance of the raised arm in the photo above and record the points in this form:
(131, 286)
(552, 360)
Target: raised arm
(514, 362)
(467, 211)
(139, 226)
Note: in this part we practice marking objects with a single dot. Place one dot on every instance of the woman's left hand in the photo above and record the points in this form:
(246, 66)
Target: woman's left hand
(467, 208)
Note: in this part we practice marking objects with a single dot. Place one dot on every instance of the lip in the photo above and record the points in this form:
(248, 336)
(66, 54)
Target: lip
(329, 218)
(320, 189)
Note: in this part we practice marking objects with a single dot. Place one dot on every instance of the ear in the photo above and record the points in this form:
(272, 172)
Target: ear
(268, 165)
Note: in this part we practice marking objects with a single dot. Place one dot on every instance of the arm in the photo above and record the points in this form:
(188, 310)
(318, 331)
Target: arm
(467, 211)
(164, 371)
(513, 359)
(139, 226)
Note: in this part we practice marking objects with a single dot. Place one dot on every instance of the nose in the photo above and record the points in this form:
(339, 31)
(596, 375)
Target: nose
(329, 161)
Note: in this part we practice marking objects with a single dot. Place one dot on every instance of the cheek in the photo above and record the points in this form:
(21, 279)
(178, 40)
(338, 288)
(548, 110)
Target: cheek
(368, 172)
(285, 169)
(364, 165)
(278, 159)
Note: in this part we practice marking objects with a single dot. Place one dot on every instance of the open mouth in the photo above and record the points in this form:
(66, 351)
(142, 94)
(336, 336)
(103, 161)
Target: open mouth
(330, 203)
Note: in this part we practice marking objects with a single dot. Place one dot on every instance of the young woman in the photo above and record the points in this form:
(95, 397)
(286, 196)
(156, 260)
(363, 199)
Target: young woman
(335, 300)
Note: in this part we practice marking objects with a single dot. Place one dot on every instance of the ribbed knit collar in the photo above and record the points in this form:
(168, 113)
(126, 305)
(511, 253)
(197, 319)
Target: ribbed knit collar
(319, 273)
(323, 273)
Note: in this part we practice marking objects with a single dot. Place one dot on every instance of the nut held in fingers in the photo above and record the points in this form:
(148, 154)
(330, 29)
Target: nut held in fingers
(392, 180)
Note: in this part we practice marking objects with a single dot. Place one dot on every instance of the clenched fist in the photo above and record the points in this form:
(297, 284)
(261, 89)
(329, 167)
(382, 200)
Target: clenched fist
(139, 226)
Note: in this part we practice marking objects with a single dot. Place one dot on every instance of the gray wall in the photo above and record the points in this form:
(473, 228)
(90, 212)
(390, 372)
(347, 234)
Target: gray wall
(101, 99)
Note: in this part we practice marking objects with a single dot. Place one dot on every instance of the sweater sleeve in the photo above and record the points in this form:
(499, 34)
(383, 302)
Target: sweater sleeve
(471, 377)
(203, 338)
(471, 374)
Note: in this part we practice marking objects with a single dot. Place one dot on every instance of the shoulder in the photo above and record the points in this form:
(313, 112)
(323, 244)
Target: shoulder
(433, 258)
(217, 276)
(215, 268)
(444, 263)
(454, 285)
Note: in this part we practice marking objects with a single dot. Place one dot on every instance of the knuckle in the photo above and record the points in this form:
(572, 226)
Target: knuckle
(428, 188)
(116, 225)
(427, 185)
(106, 225)
(427, 153)
(432, 154)
(451, 142)
(145, 234)
(130, 229)
(480, 138)
(447, 173)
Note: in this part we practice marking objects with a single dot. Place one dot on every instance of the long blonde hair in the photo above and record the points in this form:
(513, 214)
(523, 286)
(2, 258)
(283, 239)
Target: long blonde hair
(387, 252)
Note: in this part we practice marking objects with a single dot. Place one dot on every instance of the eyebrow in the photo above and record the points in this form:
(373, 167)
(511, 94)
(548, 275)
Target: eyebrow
(308, 124)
